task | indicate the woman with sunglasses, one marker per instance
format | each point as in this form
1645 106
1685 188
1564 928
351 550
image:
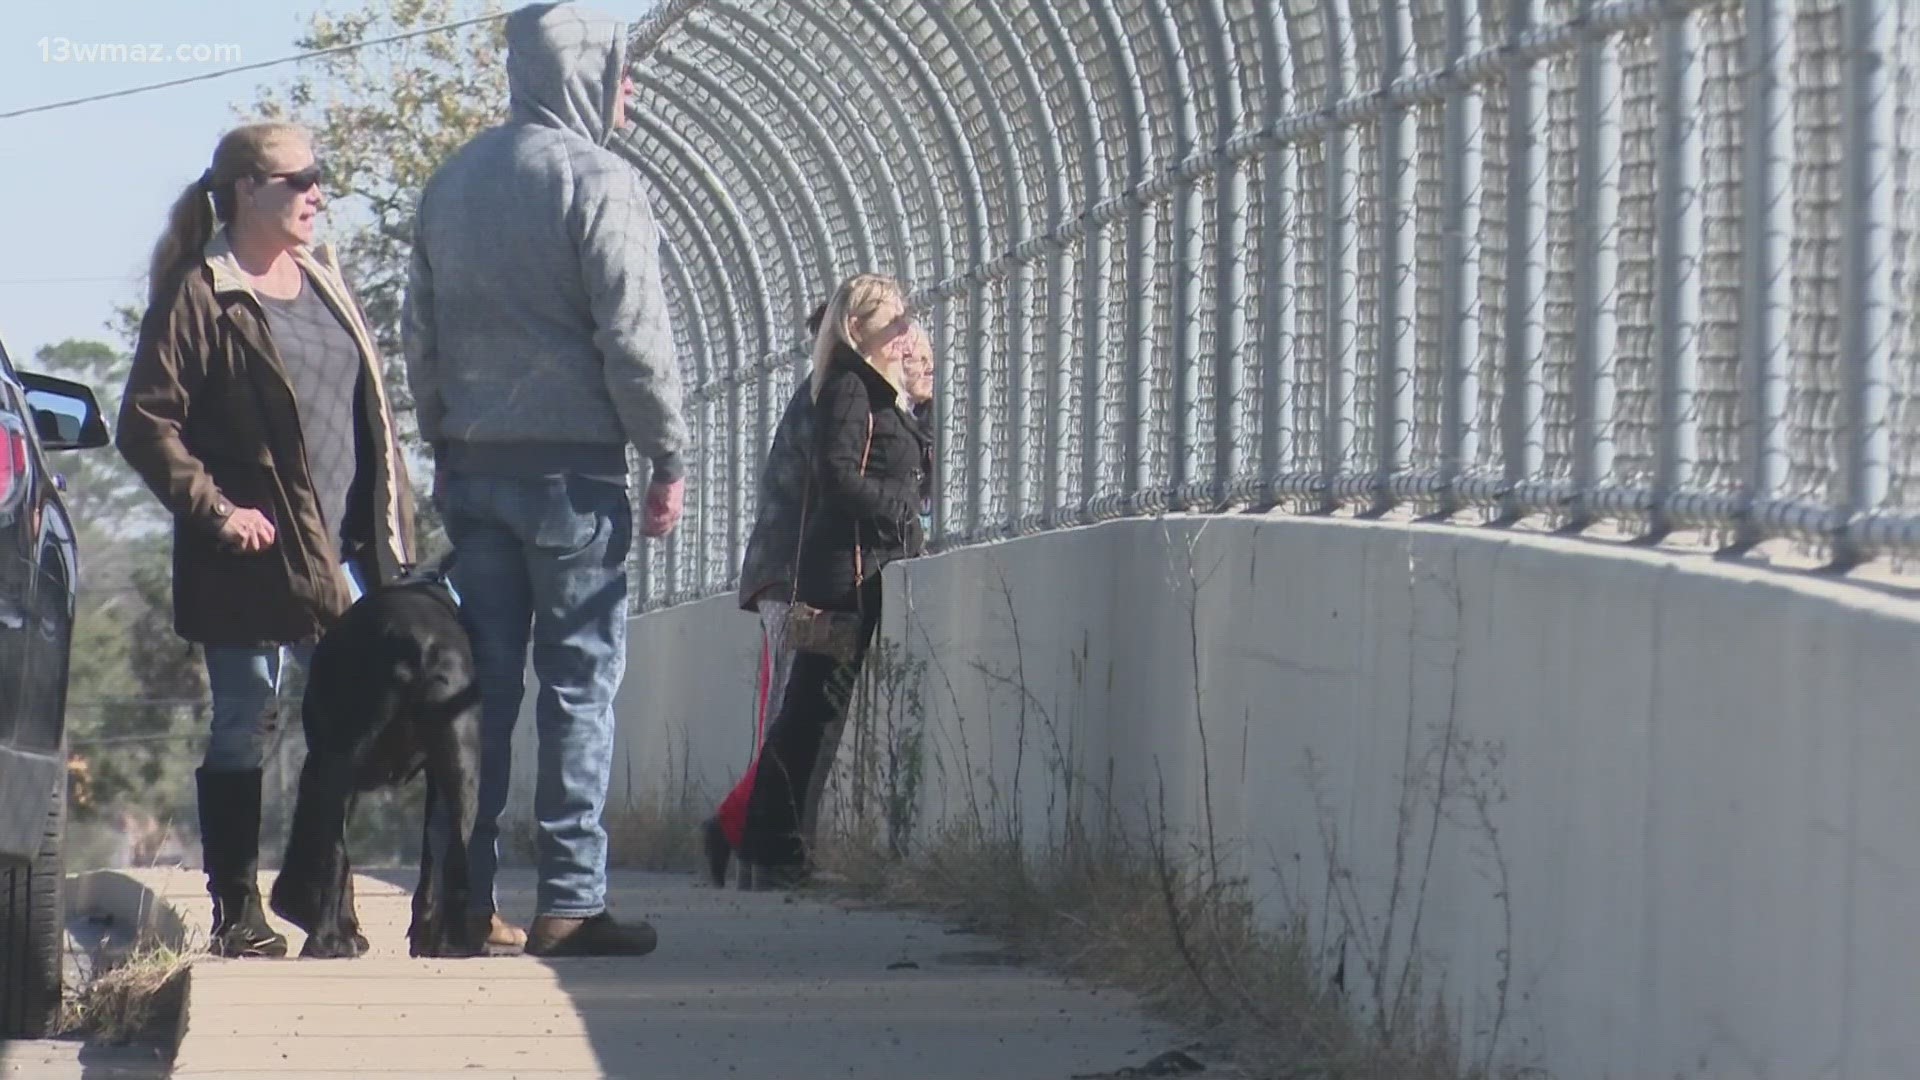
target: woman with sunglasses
256 412
868 472
766 581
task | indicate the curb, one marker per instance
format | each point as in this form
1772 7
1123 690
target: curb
129 902
149 917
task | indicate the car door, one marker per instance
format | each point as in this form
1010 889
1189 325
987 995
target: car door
31 758
19 524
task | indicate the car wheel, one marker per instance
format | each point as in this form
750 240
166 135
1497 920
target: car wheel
31 934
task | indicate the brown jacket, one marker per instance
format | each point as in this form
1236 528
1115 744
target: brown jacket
209 421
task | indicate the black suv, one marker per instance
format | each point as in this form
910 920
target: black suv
38 570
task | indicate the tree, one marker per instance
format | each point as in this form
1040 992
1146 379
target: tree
133 689
383 119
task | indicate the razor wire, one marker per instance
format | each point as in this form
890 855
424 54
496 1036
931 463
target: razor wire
1642 265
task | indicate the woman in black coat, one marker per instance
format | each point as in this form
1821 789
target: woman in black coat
871 464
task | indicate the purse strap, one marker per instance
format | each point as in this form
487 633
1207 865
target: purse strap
800 538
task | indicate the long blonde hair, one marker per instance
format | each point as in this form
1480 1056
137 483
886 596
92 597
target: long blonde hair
245 151
855 300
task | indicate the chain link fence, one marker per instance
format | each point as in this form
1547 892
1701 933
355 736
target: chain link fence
1646 264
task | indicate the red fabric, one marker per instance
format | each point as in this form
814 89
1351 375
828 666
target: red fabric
733 809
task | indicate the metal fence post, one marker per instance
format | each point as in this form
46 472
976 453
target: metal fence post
1051 355
1393 385
942 319
1135 122
674 270
1521 344
975 468
1229 268
1763 264
1276 273
1092 284
1586 279
1454 451
1865 256
1181 275
1674 449
1333 425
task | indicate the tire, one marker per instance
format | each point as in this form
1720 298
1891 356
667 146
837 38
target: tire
32 933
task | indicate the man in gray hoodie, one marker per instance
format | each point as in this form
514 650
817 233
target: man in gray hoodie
538 351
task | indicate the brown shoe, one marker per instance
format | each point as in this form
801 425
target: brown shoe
600 935
495 935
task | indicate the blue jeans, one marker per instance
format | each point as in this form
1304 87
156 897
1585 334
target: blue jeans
244 682
542 561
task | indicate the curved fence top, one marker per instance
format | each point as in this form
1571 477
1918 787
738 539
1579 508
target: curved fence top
1633 263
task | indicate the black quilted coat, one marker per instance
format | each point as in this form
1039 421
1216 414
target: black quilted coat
854 470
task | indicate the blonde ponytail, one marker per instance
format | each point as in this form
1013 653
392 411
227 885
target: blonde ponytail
189 227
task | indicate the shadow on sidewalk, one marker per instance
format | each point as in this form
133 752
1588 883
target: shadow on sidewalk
765 984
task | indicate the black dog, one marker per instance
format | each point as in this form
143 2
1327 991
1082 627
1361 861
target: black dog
390 693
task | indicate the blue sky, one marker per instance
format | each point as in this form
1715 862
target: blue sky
84 191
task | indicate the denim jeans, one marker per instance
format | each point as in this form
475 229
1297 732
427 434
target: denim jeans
542 561
244 683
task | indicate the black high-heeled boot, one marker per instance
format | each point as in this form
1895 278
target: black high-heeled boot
713 840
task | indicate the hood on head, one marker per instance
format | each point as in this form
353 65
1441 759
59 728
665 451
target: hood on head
564 65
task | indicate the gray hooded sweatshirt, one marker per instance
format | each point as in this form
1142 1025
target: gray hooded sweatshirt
535 324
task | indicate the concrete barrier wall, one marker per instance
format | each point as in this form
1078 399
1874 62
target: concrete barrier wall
1675 798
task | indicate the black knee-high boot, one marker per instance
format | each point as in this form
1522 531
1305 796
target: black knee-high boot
230 850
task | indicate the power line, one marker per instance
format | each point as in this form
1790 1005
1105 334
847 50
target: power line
223 72
135 740
19 283
137 703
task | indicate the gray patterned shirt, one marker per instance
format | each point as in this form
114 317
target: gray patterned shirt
323 364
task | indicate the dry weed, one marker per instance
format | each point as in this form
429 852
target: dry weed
654 833
1136 916
121 1002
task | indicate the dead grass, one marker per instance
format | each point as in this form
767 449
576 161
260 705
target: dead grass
1137 917
650 832
147 988
656 832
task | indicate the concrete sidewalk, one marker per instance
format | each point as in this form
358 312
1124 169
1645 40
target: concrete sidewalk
743 985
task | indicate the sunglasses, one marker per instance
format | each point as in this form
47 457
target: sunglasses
301 180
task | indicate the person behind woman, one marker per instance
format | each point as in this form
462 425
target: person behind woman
255 411
766 584
870 465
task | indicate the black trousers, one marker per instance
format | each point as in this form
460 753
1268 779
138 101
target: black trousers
819 692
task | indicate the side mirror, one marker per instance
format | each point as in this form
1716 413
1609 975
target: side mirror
65 413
